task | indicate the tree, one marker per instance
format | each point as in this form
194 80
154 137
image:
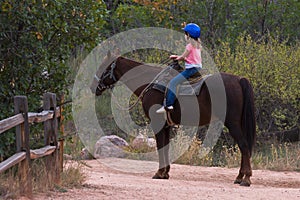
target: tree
37 37
262 17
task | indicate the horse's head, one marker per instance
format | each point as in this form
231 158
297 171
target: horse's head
104 79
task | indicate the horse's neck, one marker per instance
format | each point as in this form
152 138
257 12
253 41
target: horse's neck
136 76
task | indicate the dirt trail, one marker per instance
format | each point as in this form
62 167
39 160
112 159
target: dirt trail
186 182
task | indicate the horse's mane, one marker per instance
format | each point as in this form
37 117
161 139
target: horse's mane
152 65
109 59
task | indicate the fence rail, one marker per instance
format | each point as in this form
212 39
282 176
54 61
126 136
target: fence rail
24 154
11 122
15 120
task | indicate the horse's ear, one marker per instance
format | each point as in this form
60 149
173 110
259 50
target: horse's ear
117 52
108 54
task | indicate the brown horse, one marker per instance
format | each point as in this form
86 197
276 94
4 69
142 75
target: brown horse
239 115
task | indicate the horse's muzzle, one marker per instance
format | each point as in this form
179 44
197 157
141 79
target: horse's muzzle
98 92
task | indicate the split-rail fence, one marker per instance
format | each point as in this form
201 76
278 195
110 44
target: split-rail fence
52 150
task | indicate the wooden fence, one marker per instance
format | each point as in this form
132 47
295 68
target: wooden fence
21 120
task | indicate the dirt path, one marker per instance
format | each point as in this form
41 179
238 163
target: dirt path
186 182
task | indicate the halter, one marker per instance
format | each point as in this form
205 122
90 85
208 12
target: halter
109 73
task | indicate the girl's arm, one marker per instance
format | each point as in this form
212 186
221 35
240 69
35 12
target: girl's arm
182 57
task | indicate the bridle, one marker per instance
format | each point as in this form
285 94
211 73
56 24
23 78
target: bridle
108 73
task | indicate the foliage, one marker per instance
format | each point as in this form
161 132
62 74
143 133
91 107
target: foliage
37 38
259 18
129 16
273 68
221 20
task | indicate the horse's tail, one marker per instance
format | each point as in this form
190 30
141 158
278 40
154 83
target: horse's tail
248 120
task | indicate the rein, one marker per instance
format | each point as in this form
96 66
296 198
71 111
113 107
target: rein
145 90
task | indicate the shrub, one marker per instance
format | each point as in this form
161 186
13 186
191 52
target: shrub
273 68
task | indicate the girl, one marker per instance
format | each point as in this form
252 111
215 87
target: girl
193 63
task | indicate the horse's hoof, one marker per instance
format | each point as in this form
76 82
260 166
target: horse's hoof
166 176
157 176
160 176
245 183
238 181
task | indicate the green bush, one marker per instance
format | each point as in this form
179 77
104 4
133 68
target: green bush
36 40
273 68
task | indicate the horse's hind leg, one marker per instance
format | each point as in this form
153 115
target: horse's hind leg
246 168
245 171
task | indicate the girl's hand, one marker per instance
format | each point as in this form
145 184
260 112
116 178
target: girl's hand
174 57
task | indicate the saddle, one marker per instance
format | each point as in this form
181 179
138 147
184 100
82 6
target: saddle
189 88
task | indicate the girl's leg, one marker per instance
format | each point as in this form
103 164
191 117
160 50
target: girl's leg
171 90
180 78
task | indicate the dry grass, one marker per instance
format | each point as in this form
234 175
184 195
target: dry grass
186 149
40 180
279 157
198 155
72 176
8 184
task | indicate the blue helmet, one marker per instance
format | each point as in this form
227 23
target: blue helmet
193 30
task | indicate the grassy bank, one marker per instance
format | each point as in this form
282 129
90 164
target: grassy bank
272 156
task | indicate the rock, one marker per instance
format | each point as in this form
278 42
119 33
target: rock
110 146
67 157
151 142
142 142
85 154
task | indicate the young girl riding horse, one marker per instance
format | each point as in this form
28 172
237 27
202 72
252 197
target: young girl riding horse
193 63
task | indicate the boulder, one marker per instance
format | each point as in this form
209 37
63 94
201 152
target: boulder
110 146
85 154
142 142
151 143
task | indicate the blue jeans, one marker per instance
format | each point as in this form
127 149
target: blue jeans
179 78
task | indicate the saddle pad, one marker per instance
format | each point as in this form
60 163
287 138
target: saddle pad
183 90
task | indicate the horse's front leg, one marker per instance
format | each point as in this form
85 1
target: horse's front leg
162 141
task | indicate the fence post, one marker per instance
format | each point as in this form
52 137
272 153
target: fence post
50 131
62 130
22 141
